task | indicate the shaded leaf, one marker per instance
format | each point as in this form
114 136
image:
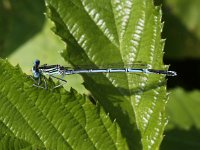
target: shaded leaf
183 130
19 21
182 29
188 13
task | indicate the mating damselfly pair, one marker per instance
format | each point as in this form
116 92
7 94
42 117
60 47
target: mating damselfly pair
58 70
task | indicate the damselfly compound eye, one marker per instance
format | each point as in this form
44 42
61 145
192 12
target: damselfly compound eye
37 62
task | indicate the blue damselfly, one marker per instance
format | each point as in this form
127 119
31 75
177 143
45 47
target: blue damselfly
53 70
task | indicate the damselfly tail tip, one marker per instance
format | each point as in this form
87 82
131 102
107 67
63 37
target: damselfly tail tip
171 73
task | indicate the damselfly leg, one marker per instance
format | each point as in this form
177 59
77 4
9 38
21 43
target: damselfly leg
38 83
59 79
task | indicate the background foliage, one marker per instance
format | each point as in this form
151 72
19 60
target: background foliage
24 32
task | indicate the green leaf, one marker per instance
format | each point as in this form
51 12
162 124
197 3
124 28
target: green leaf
33 118
188 13
184 122
104 32
182 28
19 22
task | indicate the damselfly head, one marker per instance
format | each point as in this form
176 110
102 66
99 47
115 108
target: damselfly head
37 62
35 68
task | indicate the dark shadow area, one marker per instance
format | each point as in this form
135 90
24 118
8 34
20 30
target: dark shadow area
92 100
158 2
19 22
188 74
178 139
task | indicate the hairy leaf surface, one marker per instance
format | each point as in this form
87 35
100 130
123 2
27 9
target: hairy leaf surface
33 118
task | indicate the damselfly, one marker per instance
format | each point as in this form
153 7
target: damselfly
52 70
